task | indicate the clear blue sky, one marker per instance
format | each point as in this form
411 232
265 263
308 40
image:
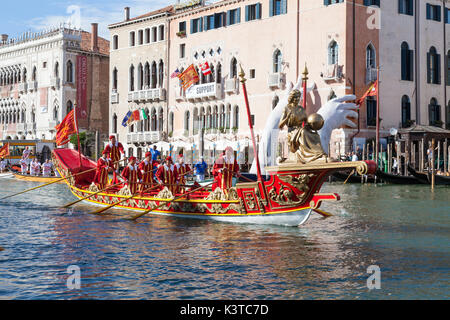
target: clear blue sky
17 17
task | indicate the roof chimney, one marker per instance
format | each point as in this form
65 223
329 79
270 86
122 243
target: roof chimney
94 37
127 13
4 38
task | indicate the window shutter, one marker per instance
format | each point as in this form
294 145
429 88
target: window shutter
366 3
192 26
200 24
428 11
246 12
411 65
410 7
271 8
258 11
238 13
438 69
404 64
428 68
228 17
438 9
205 23
401 9
326 2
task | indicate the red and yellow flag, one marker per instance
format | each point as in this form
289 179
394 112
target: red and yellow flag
65 129
4 151
371 92
189 77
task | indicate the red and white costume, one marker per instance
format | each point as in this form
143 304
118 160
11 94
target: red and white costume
47 169
223 171
101 174
146 169
182 169
167 175
113 152
132 175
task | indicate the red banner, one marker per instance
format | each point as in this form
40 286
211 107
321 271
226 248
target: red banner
65 129
4 151
82 74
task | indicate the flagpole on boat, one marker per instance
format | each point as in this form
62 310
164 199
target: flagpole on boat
78 134
255 149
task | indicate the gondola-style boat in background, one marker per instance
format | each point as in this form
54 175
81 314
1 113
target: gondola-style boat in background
426 177
16 171
397 179
286 198
352 177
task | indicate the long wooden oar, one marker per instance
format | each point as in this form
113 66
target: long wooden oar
49 183
123 200
91 195
323 213
166 203
353 171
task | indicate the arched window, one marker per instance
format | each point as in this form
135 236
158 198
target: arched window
114 123
171 122
131 78
202 118
55 112
277 59
140 77
153 120
216 117
236 117
333 53
56 71
24 75
115 42
154 73
208 117
407 63
187 116
69 72
228 117
160 119
222 117
154 34
371 62
33 115
147 121
433 66
147 75
196 121
147 35
161 73
211 75
69 107
233 68
434 111
219 73
34 74
141 37
406 112
371 106
114 79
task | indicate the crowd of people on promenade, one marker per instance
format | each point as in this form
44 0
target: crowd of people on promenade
156 172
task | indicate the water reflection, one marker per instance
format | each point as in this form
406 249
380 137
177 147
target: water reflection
161 257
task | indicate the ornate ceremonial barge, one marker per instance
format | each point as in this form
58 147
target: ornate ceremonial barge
286 195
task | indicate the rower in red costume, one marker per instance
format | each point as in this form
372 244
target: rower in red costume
113 150
101 174
224 169
132 175
167 175
146 168
182 170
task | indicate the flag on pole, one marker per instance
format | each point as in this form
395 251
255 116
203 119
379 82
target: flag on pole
371 92
143 114
175 74
189 77
4 151
206 70
66 128
136 115
126 118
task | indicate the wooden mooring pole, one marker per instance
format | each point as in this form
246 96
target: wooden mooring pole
432 164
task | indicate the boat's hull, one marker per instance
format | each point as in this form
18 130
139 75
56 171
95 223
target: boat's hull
36 178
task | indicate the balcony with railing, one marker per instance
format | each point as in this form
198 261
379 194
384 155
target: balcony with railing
145 137
114 97
156 94
333 72
21 127
204 91
276 80
231 86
